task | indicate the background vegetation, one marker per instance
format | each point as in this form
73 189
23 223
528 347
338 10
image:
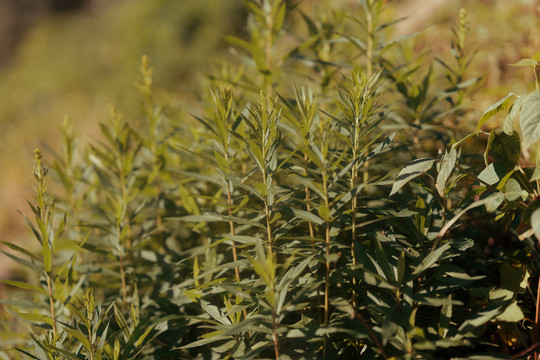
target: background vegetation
267 220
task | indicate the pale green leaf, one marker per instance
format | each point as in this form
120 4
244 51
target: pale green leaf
512 313
492 174
494 201
494 109
431 259
23 285
508 124
525 63
412 170
447 166
529 119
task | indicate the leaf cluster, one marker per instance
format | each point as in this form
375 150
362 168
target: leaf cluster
300 214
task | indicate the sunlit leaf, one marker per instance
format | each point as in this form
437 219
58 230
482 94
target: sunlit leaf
413 169
529 119
495 108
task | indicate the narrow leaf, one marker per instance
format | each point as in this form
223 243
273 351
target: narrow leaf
413 169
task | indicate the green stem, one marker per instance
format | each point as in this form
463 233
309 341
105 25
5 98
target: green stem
51 303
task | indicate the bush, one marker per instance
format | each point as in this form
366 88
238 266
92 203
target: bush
270 226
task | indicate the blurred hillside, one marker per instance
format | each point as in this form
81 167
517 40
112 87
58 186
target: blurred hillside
77 57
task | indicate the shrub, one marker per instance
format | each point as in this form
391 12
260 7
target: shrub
271 224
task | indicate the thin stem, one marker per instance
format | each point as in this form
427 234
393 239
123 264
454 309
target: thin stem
275 335
123 277
308 202
51 303
536 319
373 336
268 228
370 31
536 71
231 227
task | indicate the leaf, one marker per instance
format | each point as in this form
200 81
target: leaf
493 173
525 63
494 201
413 169
447 166
513 190
535 223
479 319
307 216
494 109
512 313
529 119
508 125
324 212
23 285
506 149
430 260
26 263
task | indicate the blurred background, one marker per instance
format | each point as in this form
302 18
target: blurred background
76 58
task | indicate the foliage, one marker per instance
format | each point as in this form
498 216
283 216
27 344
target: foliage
324 204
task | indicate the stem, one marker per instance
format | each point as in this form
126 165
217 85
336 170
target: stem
51 303
353 238
327 277
327 273
268 228
275 335
123 277
231 226
369 51
536 70
536 319
373 336
308 200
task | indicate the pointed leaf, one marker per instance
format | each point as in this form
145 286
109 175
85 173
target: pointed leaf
494 109
447 166
525 63
413 169
508 125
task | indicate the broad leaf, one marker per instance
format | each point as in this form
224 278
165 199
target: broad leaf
494 109
447 166
529 119
535 223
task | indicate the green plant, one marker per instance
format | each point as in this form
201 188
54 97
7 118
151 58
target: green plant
270 224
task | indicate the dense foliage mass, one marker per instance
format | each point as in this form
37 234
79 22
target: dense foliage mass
330 201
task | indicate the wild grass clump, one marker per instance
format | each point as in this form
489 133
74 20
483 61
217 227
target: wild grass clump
321 204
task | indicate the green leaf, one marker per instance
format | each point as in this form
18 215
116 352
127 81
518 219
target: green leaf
80 337
479 319
26 263
494 201
494 109
413 169
513 190
23 285
535 223
529 119
508 125
512 313
307 216
324 212
447 166
431 259
525 63
506 149
493 173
